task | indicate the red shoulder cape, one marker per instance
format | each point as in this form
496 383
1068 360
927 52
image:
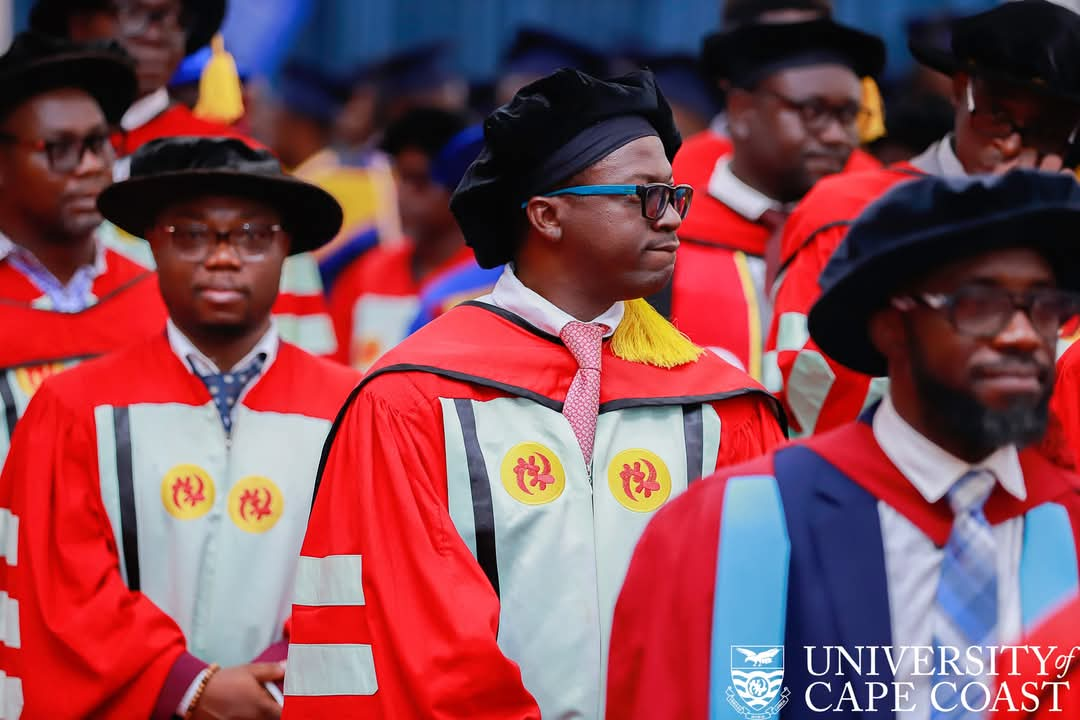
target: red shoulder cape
838 199
481 344
129 308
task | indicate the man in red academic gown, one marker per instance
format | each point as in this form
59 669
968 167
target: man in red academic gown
154 500
64 296
159 34
792 109
485 485
1016 105
927 527
376 299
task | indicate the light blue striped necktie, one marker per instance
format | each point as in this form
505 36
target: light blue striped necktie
966 606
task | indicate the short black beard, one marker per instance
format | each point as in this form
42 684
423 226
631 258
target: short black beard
980 430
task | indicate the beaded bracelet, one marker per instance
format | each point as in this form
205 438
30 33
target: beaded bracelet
210 671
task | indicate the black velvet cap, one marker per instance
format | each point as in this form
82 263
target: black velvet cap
1032 43
521 137
172 170
747 54
922 224
36 63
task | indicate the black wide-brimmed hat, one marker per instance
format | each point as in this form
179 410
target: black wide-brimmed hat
201 18
528 148
36 63
746 54
1031 43
171 170
922 224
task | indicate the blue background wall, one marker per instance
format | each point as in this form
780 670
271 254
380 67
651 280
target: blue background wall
344 33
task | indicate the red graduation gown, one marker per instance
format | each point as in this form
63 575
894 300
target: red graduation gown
36 343
376 299
90 646
1060 631
429 624
800 372
719 271
662 637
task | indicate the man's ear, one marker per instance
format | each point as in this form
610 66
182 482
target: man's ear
741 113
545 217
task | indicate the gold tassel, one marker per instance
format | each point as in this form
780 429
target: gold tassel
220 95
872 118
644 336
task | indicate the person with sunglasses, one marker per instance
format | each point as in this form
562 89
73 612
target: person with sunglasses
162 491
1017 104
64 296
793 107
930 527
487 481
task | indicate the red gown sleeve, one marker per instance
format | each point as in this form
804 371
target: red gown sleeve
818 394
387 589
88 646
1063 432
660 638
748 429
341 300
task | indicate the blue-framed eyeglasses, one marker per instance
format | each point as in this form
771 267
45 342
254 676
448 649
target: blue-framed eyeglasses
655 197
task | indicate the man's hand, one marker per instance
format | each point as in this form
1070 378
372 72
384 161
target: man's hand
1031 160
237 693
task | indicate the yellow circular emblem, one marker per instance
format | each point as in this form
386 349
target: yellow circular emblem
255 504
639 480
532 474
187 492
29 379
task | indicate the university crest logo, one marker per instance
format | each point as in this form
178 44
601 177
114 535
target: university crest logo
757 674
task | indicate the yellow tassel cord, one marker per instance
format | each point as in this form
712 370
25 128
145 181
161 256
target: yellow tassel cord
872 118
220 96
644 336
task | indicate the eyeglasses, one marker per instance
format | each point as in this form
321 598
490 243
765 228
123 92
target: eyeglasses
194 243
1048 138
654 197
982 311
815 113
135 18
66 154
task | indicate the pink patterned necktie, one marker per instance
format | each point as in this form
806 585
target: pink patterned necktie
583 399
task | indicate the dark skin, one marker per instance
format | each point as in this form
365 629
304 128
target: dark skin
982 152
153 33
223 303
774 151
425 212
1015 366
53 214
570 239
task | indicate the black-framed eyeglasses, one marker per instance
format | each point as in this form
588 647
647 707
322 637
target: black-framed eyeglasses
1048 138
195 242
66 154
654 197
983 311
134 18
816 113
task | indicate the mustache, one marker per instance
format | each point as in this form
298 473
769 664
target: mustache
1014 366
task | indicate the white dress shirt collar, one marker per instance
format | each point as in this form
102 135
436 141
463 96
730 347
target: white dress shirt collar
511 294
930 468
145 109
96 267
940 159
737 195
199 364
